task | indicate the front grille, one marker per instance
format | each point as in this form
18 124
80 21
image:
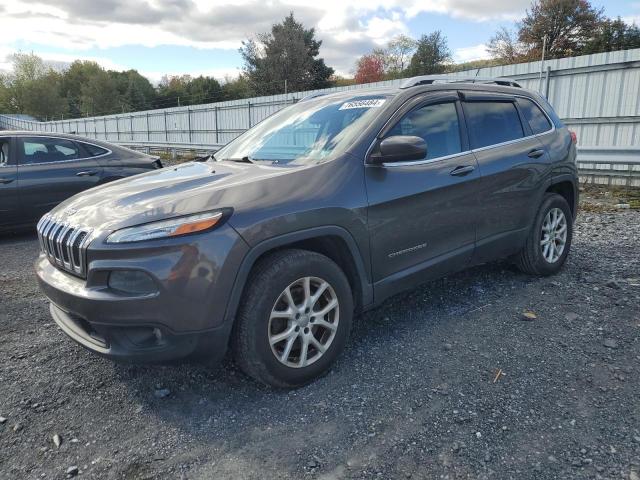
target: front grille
65 245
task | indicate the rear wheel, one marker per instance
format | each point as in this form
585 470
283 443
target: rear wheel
294 319
549 241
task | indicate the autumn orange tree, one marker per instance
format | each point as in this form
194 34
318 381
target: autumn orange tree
370 68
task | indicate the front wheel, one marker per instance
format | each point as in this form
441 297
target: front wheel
294 319
549 240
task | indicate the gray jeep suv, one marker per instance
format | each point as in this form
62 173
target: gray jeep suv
322 210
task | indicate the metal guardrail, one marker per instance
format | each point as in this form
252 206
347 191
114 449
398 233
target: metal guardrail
612 172
173 148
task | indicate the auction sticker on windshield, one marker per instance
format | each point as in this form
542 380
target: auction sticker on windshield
367 103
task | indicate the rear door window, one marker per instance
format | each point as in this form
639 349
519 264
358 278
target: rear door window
491 123
437 124
538 121
48 150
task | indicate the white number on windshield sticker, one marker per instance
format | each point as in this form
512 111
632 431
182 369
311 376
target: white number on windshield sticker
370 103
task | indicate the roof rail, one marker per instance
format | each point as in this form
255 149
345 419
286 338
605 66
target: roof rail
431 79
312 95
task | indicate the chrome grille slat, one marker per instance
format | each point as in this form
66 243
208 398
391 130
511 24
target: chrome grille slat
45 234
64 244
59 241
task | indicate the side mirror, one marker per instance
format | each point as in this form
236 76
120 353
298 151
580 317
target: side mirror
399 148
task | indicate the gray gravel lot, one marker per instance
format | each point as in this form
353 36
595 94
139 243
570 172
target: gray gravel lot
446 381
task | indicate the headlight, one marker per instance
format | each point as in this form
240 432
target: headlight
166 228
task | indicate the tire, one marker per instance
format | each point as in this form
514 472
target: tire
534 259
265 297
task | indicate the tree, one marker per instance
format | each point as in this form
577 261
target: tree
288 53
135 91
397 54
203 90
505 47
237 88
74 78
172 90
613 35
33 87
431 56
567 25
369 68
99 95
5 94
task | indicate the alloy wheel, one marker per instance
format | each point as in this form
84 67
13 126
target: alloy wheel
554 235
303 322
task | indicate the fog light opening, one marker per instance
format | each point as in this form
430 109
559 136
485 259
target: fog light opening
131 282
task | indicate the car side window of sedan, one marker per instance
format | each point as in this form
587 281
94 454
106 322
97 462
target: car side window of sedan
4 152
94 150
47 150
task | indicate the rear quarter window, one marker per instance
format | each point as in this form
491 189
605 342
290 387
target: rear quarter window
94 150
538 121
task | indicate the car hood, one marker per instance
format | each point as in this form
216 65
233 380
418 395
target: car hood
169 192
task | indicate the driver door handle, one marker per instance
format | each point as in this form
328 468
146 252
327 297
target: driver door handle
86 174
462 170
6 180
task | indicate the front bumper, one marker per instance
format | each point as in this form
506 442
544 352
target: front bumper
131 344
186 314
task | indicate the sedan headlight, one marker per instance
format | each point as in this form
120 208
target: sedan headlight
166 228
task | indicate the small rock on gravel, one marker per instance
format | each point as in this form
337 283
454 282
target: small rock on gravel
2 420
610 343
72 471
162 392
528 316
57 441
613 284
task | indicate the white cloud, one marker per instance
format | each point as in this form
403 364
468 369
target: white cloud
219 74
348 28
469 54
632 19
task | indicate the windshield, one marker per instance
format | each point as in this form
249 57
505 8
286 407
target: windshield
308 132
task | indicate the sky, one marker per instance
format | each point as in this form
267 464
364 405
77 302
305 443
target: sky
202 37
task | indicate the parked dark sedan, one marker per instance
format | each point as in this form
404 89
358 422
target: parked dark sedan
38 170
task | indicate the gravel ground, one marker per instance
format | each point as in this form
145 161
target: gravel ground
446 381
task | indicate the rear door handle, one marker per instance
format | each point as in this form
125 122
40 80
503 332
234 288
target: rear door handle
462 170
86 174
6 180
535 153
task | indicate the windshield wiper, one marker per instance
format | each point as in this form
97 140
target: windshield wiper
204 158
245 159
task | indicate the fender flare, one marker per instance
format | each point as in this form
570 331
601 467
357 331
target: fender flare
266 245
573 179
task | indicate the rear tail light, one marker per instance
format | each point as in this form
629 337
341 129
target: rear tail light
574 137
